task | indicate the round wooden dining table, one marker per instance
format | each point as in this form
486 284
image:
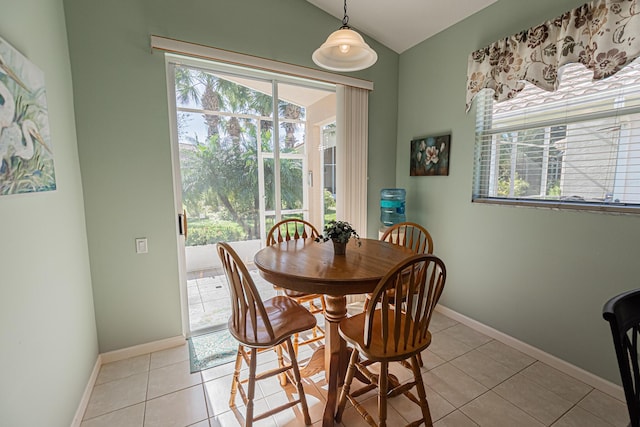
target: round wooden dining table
312 267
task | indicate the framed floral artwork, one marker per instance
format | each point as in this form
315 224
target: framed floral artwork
430 155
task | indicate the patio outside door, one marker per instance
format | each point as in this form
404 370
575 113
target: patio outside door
233 181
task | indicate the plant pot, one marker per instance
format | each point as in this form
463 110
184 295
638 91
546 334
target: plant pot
339 248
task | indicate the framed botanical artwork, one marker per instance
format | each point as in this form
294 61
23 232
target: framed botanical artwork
26 154
430 155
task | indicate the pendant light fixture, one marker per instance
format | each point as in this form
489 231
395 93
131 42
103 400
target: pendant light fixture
345 50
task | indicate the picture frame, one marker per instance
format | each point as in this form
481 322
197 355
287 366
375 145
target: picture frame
26 152
430 155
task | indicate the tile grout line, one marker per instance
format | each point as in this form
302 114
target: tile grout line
489 389
146 396
592 413
510 377
206 401
555 362
492 389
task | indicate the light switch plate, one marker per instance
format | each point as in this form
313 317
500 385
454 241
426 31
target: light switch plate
141 245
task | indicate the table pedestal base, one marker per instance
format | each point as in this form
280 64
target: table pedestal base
305 266
336 354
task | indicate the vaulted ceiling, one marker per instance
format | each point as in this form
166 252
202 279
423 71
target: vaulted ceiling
401 24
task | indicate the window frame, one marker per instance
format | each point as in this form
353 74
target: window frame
486 170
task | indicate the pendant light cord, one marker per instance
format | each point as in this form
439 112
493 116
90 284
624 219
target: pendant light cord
345 19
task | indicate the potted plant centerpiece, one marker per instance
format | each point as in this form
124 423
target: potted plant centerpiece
339 232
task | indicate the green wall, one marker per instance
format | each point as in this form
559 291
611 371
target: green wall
123 136
47 323
539 275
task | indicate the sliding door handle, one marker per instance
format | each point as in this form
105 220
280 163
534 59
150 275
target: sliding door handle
184 227
182 223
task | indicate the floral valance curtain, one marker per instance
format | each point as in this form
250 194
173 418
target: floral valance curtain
604 35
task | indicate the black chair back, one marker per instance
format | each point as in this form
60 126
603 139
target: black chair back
623 314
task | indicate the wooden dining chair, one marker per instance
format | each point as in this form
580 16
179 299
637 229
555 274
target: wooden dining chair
293 229
623 314
412 236
389 331
259 325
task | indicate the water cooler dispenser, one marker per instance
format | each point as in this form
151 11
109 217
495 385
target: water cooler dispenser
392 204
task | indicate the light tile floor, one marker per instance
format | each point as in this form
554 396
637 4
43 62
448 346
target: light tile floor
471 380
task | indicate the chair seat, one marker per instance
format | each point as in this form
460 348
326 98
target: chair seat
296 294
286 316
351 330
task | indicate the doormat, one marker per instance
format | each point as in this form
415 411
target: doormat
209 350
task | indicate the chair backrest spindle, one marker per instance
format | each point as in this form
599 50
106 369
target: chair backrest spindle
424 276
246 304
291 229
410 235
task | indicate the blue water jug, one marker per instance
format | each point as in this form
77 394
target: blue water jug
392 203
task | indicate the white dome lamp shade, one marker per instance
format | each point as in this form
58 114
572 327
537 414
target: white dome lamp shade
345 50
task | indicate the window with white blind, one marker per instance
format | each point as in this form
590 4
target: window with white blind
577 147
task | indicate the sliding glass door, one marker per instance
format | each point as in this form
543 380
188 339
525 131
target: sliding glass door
246 146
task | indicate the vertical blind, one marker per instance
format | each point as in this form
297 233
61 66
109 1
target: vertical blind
578 146
353 136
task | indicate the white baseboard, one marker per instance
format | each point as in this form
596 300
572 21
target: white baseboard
586 377
84 401
139 350
114 356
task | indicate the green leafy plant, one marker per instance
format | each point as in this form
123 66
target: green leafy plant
207 232
554 190
520 186
339 231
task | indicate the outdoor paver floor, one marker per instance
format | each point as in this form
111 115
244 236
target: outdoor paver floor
208 295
